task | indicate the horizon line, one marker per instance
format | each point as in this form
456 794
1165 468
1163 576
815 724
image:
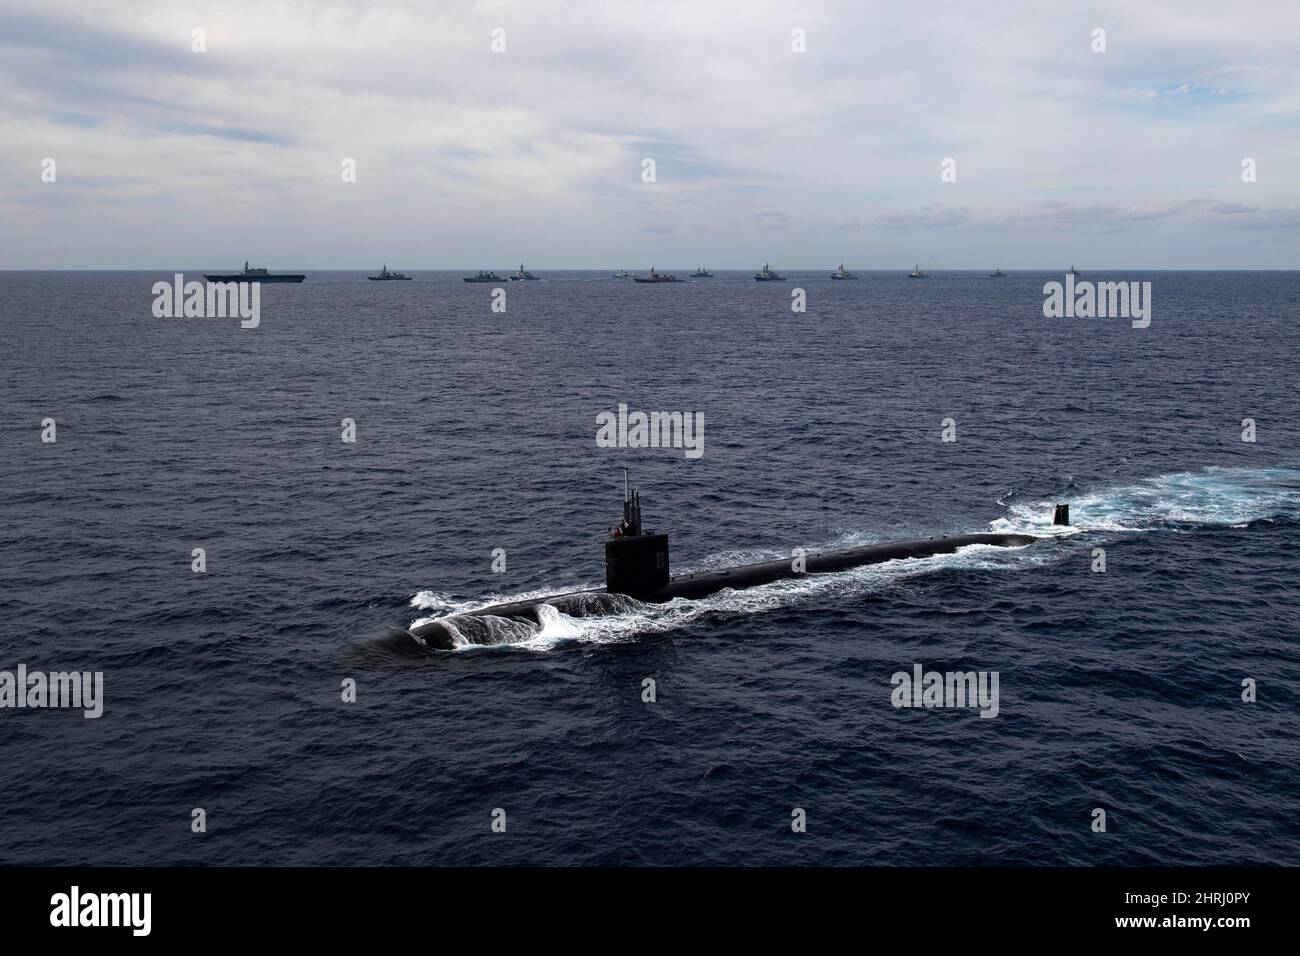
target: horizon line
746 269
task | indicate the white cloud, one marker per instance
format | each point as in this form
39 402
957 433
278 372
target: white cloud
467 158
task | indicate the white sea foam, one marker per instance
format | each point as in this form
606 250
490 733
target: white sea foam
639 619
1214 497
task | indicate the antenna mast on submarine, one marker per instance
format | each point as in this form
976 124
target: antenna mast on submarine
631 509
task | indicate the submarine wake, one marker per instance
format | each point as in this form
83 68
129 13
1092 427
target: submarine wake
1181 501
631 619
1026 537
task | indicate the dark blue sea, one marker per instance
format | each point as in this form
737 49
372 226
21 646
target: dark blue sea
476 430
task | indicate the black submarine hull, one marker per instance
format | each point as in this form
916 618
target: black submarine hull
439 636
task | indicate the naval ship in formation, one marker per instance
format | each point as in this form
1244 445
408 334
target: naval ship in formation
656 277
386 276
254 275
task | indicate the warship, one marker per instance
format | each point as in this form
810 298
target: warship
655 278
254 275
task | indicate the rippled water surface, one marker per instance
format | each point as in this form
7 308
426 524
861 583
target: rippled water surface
1119 690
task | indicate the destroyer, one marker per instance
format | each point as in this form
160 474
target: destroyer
767 275
484 277
842 273
636 566
522 274
386 276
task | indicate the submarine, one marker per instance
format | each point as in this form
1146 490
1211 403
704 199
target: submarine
636 567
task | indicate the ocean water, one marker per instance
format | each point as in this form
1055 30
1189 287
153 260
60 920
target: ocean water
476 431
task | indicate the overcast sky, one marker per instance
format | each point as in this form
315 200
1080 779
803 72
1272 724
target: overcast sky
466 158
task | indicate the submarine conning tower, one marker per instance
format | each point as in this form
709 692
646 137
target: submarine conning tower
636 561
